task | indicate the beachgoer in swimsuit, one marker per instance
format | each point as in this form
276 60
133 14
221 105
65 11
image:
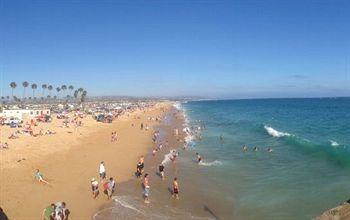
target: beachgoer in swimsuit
244 148
255 149
94 188
199 158
39 176
161 170
175 188
146 188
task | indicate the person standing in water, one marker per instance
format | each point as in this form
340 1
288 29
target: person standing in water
161 170
146 188
175 189
245 148
199 158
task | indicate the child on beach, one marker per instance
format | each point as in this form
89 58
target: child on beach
94 188
39 176
175 189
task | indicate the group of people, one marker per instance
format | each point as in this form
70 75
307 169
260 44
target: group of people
56 211
109 186
145 183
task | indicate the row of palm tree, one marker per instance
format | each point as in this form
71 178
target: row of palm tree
79 93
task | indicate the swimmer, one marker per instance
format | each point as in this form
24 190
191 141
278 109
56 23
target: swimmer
245 148
255 149
269 150
161 170
199 158
175 189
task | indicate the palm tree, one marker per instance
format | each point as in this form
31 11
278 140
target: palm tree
50 87
71 88
7 97
83 97
43 86
13 85
34 87
25 84
58 89
64 88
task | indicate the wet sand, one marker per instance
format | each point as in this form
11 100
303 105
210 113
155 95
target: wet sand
193 202
69 160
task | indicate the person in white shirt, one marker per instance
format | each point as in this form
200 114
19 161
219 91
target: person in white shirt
102 170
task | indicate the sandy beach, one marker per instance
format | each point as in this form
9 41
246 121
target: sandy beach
68 160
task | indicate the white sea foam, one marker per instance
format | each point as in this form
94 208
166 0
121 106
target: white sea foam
121 201
167 157
177 105
274 133
213 163
334 143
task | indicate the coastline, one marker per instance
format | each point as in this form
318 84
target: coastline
70 168
193 203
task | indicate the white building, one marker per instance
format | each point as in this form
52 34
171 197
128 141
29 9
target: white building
24 113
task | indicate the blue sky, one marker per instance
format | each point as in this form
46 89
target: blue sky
221 49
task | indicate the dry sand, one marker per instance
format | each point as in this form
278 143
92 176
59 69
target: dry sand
69 159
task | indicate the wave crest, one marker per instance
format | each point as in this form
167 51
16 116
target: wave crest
213 163
274 133
334 143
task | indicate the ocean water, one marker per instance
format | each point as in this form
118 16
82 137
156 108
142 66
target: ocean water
307 172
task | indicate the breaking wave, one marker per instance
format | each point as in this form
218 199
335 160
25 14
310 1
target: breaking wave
274 133
333 143
213 163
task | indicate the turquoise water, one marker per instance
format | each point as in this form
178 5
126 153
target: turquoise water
307 172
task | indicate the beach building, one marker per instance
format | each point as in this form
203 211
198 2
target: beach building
24 113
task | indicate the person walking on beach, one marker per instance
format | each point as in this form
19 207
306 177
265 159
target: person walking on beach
141 126
94 188
146 188
102 171
111 187
161 170
175 189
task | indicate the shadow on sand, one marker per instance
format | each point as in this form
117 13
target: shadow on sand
207 209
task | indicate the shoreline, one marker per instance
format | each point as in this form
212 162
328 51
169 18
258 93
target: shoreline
127 202
69 170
